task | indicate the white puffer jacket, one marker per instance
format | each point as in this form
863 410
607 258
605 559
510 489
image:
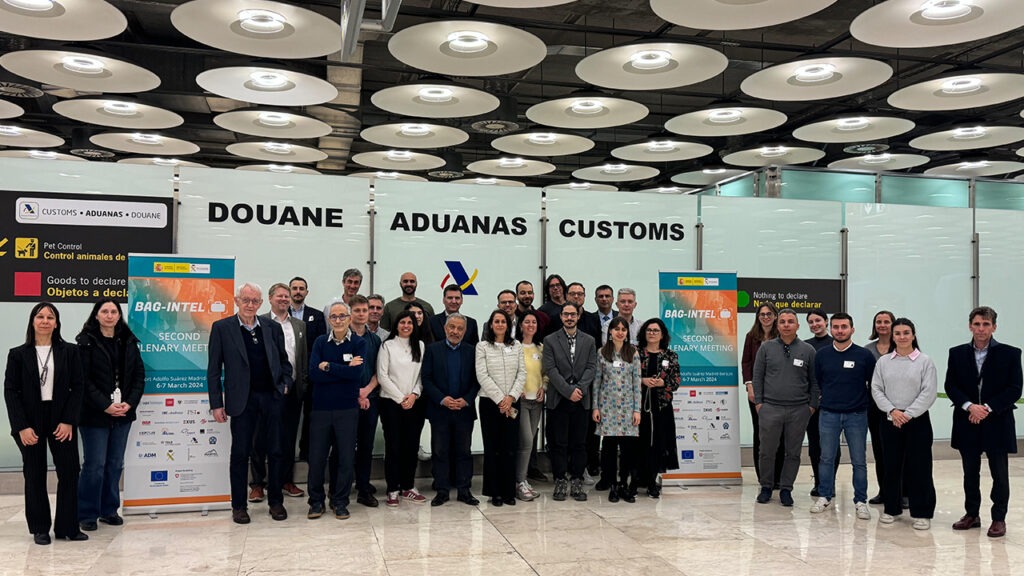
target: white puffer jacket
501 370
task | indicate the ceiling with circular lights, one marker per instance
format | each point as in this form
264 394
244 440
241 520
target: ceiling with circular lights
641 95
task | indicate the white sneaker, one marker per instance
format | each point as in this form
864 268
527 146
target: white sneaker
922 524
863 512
423 454
530 489
523 492
820 505
588 479
886 518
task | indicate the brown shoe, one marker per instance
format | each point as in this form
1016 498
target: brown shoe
292 490
256 494
240 516
997 529
277 512
967 522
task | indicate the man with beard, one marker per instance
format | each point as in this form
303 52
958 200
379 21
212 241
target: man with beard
391 310
524 297
375 309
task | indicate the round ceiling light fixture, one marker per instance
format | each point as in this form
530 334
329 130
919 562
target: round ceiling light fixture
773 151
268 80
511 163
662 146
587 107
147 139
82 65
415 130
961 85
274 119
118 108
852 124
10 131
650 59
42 154
882 158
277 148
969 133
543 138
945 9
261 21
468 42
399 155
166 161
435 94
31 5
814 73
614 169
725 116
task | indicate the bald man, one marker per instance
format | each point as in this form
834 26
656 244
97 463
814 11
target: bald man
391 310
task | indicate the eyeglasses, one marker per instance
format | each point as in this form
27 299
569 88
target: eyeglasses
765 314
653 330
339 317
506 302
250 301
569 315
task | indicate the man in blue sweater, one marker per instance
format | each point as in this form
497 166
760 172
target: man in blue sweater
843 372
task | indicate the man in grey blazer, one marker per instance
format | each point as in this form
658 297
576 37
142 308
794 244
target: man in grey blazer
570 362
256 377
298 356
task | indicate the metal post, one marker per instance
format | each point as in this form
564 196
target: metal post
975 270
175 208
371 211
878 188
844 267
543 237
700 245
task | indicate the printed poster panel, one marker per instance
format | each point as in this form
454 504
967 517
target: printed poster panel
699 309
177 455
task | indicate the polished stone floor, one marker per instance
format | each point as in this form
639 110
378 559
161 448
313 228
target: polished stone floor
694 531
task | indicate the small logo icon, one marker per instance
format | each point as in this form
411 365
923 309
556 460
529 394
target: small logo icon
26 248
28 283
29 210
158 476
457 273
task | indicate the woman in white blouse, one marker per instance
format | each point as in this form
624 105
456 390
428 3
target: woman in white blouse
401 412
501 371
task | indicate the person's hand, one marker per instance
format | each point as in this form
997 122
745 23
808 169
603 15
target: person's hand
356 361
28 437
63 433
461 403
899 418
757 407
324 366
977 413
364 403
596 415
750 394
636 418
220 415
658 382
649 382
812 410
505 404
577 395
409 401
540 395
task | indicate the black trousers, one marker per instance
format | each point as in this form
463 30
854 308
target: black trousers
567 442
780 456
875 419
501 448
333 430
263 410
625 448
1000 495
290 430
814 446
908 461
37 500
451 438
593 448
402 430
366 433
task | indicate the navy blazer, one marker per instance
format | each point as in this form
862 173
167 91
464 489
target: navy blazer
436 323
316 325
434 376
590 324
1001 382
24 398
227 353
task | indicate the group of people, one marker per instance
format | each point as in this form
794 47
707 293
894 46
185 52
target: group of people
827 386
600 376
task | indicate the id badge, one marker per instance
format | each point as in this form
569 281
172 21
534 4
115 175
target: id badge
847 363
346 357
116 396
617 364
798 362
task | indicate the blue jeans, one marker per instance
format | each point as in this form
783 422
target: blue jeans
103 450
855 425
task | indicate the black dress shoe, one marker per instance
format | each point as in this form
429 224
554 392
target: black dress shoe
466 497
277 512
76 537
613 493
113 520
509 501
240 516
42 538
367 499
878 499
439 499
496 502
88 525
654 491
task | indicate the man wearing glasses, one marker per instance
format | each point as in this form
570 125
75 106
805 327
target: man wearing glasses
785 395
256 377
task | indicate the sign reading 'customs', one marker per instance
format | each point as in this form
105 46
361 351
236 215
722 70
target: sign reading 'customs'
74 247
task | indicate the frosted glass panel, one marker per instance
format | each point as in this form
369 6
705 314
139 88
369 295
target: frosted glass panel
916 262
1003 195
924 191
26 174
743 187
837 186
770 238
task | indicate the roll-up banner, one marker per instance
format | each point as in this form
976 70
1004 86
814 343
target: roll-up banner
699 309
177 455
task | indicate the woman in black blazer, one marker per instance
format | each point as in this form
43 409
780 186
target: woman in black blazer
43 391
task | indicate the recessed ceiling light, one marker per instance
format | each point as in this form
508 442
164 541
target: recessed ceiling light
877 158
268 80
969 133
973 165
945 9
511 162
166 161
587 106
814 73
31 5
661 146
386 175
615 169
486 181
650 59
275 119
436 95
725 116
120 108
280 168
147 139
399 155
415 130
579 185
713 171
961 85
277 147
261 21
82 65
773 151
468 41
851 124
542 139
668 189
9 131
42 154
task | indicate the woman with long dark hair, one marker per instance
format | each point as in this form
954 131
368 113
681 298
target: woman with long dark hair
531 405
401 413
501 371
904 387
422 326
43 392
764 329
880 345
114 382
659 378
617 409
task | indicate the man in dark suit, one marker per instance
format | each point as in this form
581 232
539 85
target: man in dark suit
570 362
590 324
295 346
257 376
452 303
450 386
316 325
983 380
